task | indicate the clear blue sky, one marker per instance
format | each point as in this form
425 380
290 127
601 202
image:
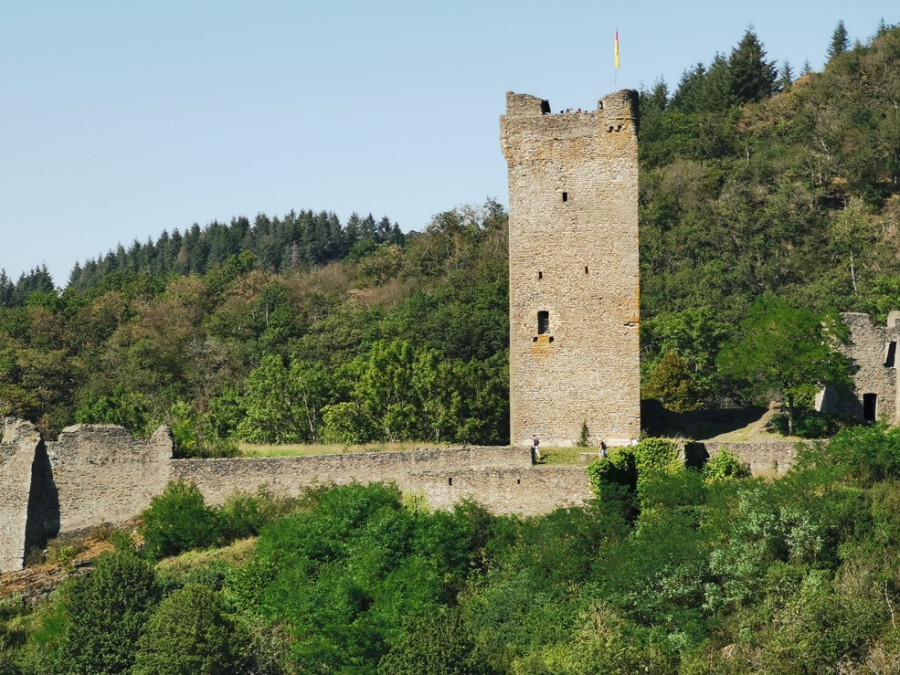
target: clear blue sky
123 119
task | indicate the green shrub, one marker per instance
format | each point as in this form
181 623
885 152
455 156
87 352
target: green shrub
106 610
179 520
810 423
244 515
64 549
585 438
725 465
653 454
190 632
435 642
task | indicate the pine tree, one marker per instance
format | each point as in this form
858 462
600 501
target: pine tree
786 77
752 77
715 93
840 41
688 93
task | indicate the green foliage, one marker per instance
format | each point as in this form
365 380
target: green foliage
752 78
788 352
809 423
126 408
673 384
347 574
656 454
282 403
840 41
863 455
190 632
104 614
244 515
725 465
12 633
584 438
436 642
178 520
664 569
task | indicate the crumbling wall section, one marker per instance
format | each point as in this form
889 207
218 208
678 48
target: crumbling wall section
874 350
95 474
530 491
103 475
18 447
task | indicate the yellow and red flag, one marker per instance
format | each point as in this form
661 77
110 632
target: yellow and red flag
617 47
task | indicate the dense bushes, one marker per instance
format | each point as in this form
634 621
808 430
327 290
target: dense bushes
179 519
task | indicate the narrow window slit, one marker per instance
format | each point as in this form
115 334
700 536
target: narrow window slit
565 196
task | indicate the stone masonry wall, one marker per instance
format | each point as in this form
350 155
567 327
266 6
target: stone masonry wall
501 479
101 474
573 253
766 458
219 478
17 453
869 349
96 474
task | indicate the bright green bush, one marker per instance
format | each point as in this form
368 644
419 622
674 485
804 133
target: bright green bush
244 515
725 465
179 520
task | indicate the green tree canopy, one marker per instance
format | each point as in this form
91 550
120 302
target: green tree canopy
781 350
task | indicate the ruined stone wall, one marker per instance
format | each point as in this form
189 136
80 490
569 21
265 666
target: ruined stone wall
96 474
219 478
573 253
501 479
766 458
101 474
17 452
870 349
530 491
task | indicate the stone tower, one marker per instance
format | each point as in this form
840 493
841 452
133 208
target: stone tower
573 270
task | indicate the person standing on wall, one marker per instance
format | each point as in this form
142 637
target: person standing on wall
535 449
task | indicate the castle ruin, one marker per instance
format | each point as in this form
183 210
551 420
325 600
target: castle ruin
874 350
574 355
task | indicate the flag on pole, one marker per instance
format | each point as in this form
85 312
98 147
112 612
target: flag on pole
617 47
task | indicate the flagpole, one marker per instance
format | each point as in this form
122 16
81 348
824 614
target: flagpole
616 52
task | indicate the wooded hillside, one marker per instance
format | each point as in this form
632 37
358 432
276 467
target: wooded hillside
302 328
